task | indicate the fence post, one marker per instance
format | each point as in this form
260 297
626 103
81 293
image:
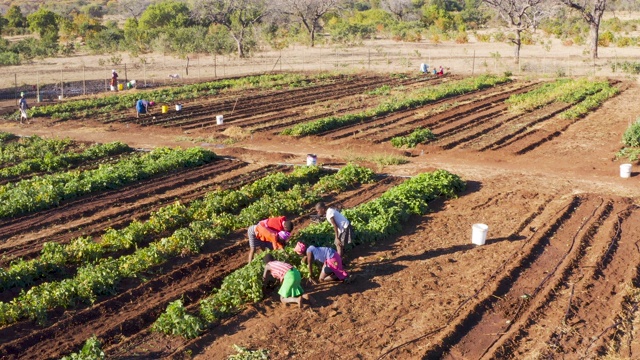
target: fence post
38 86
84 84
198 65
106 86
369 59
144 72
336 57
280 60
215 65
126 79
473 63
15 86
61 83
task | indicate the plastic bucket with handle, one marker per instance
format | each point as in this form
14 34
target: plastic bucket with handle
479 234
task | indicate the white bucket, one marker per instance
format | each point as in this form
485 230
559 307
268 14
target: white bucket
219 119
60 97
113 88
479 234
178 107
312 160
625 170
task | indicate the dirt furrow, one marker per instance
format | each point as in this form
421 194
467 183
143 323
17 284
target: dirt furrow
492 299
29 244
108 200
269 105
138 305
551 315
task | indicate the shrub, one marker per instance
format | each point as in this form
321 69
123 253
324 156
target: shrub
483 37
605 39
631 136
8 58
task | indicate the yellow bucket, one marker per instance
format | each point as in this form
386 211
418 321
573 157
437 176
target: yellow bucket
120 86
165 109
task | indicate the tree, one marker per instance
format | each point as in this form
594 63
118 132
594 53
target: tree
399 8
14 17
591 11
238 16
134 7
521 15
44 22
309 12
166 14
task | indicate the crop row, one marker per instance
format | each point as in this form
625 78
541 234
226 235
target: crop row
561 90
30 147
373 221
418 98
41 192
82 251
126 101
591 102
51 163
418 136
102 277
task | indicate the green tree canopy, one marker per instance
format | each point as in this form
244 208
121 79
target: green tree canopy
14 17
44 22
166 14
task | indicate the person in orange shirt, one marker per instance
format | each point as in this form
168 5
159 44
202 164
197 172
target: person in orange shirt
265 237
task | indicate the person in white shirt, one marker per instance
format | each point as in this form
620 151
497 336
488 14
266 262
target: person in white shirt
341 226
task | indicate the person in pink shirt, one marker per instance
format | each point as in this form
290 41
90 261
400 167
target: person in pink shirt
290 291
330 259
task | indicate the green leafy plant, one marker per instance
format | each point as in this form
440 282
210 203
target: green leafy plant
418 136
246 354
631 136
91 350
176 321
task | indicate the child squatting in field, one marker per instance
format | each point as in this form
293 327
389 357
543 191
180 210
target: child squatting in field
330 259
290 291
271 233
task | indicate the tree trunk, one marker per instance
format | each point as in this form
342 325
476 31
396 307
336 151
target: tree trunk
593 34
240 47
517 42
313 35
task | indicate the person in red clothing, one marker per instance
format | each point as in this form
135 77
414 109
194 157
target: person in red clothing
267 234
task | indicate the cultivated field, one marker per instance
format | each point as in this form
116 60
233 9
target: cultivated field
100 242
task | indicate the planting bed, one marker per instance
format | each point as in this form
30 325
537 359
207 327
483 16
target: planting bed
557 279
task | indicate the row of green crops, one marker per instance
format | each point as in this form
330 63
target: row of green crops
110 103
562 90
91 350
42 192
631 141
418 136
5 136
592 101
372 221
31 147
101 278
415 99
82 251
51 163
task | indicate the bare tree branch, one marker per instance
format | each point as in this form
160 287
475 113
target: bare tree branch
308 12
591 11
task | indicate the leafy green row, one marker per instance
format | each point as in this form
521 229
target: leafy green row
5 136
419 98
418 136
42 192
125 101
561 90
31 147
55 257
93 280
373 221
590 102
51 162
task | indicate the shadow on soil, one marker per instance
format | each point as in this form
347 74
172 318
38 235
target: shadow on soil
361 281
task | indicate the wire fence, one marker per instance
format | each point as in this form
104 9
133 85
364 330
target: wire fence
55 83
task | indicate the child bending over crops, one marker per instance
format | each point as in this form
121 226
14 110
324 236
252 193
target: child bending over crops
279 223
329 258
341 226
263 237
290 290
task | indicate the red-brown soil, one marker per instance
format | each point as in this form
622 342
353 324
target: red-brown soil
557 279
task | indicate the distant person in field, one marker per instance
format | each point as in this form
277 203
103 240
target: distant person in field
341 226
330 259
441 71
424 68
263 236
142 107
290 291
114 80
22 104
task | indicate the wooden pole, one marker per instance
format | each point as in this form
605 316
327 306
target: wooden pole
15 86
38 86
215 64
126 79
61 83
144 72
473 63
84 83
